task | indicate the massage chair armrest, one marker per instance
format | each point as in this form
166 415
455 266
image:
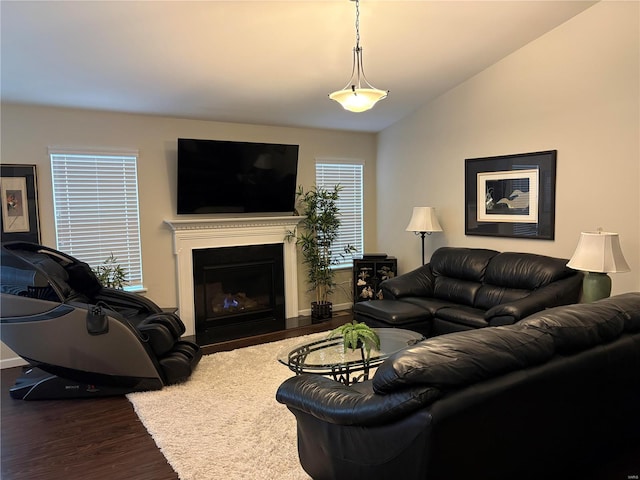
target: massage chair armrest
561 292
336 403
417 283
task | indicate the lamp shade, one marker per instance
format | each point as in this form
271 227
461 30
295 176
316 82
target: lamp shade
598 252
424 219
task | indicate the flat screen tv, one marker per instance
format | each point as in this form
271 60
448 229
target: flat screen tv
218 176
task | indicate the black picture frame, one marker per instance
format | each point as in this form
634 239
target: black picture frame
511 195
19 190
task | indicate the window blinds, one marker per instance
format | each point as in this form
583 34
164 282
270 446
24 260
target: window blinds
348 175
96 209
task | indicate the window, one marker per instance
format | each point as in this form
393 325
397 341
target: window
95 198
348 174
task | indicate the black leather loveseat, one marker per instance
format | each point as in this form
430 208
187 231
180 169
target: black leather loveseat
543 398
467 288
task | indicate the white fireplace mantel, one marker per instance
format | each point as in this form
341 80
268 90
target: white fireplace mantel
197 234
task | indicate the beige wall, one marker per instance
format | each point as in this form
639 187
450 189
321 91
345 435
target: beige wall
27 132
576 90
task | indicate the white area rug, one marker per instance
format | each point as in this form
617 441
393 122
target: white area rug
224 422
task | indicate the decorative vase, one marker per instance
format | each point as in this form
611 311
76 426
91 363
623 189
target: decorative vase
321 311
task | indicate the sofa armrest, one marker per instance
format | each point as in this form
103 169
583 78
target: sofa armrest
336 403
417 283
561 292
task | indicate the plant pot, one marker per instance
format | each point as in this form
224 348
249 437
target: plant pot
321 311
359 346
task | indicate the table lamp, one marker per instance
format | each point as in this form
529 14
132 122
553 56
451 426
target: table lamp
423 222
598 253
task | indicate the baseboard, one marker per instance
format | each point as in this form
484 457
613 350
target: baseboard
12 362
336 308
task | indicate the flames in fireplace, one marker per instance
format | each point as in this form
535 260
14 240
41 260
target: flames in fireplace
230 303
226 303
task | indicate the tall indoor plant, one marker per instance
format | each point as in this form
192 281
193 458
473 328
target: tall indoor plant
315 237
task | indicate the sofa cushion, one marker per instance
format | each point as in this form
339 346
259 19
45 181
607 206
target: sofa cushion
463 315
525 271
461 263
579 326
455 290
455 360
432 305
491 295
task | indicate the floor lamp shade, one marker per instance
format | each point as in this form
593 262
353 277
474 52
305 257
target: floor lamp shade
598 253
423 221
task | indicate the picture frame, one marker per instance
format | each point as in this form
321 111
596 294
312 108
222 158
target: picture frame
19 191
511 195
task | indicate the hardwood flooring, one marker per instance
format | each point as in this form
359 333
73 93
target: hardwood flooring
97 439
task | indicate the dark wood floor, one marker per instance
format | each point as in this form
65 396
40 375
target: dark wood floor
97 439
103 439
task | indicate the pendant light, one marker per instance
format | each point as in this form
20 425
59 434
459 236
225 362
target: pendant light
358 95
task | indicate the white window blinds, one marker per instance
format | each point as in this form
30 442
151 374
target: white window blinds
348 174
96 209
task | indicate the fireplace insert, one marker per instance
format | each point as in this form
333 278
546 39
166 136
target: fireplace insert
239 292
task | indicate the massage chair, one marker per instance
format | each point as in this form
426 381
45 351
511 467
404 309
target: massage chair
82 339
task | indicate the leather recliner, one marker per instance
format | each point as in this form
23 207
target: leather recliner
82 339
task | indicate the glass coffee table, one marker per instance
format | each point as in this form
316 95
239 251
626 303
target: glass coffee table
327 356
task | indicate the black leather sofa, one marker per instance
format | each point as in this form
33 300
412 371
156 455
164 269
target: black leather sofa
542 398
468 288
82 339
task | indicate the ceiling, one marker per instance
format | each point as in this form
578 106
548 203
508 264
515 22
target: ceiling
260 62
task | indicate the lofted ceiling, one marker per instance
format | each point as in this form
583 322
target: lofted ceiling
260 62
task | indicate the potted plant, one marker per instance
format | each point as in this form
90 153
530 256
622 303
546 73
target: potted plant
318 230
357 335
110 273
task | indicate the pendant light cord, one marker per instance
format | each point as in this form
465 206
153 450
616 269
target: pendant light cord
357 52
358 24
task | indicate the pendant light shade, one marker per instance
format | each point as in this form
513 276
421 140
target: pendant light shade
358 99
358 95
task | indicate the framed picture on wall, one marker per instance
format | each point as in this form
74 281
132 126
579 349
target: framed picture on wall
19 191
511 195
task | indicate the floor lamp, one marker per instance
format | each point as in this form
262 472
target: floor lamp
598 253
423 222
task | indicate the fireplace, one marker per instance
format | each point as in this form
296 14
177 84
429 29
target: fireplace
239 292
218 233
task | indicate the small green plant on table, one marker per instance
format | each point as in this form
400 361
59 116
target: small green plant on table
357 335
